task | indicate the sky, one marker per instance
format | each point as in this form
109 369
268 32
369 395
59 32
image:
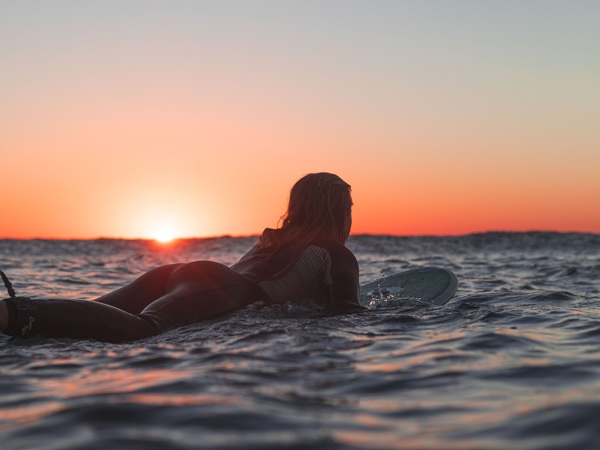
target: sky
124 118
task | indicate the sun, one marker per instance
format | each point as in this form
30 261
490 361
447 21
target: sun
164 235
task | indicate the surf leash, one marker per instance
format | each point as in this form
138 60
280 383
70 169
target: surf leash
8 285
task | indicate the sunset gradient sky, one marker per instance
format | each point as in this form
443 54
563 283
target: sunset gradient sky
121 118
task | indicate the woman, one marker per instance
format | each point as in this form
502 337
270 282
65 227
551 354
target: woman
304 259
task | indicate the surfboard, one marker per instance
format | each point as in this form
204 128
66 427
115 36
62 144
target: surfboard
433 285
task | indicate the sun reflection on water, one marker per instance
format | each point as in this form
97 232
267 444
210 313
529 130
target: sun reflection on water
109 381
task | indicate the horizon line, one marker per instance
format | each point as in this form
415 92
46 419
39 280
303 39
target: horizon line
242 236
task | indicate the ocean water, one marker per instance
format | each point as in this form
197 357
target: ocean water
513 361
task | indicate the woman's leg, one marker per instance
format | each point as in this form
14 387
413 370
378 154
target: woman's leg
111 318
142 291
78 319
193 292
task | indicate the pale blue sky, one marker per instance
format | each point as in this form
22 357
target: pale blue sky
501 97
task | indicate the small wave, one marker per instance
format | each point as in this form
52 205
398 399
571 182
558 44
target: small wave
496 340
80 281
552 296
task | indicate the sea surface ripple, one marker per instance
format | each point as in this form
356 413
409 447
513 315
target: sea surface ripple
513 361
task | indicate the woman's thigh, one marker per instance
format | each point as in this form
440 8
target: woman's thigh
142 291
197 291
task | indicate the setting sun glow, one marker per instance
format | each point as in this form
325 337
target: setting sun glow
164 236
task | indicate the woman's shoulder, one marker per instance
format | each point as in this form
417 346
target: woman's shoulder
335 248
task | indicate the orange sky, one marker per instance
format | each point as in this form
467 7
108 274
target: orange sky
122 118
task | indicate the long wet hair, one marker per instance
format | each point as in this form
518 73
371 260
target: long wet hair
320 206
